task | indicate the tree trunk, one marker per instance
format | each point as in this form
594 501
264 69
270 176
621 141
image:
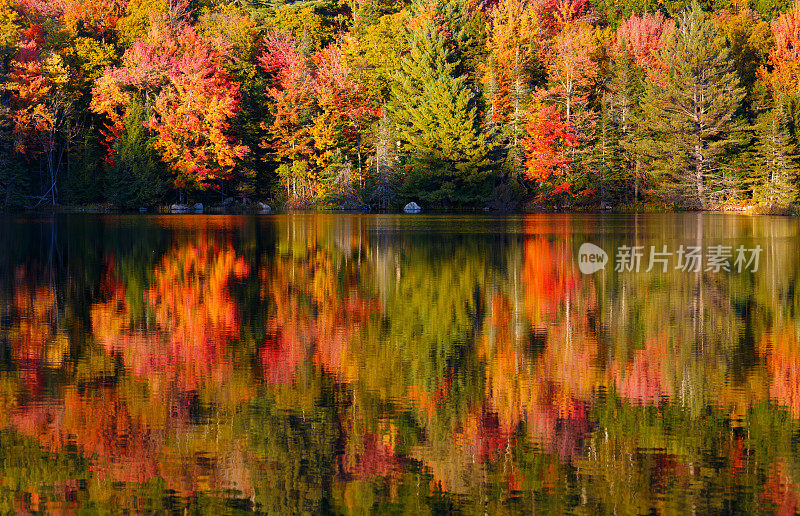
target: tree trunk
569 106
360 175
517 94
698 173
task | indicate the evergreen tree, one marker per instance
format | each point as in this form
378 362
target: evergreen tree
776 169
689 110
622 99
13 180
137 176
612 177
85 164
444 147
467 33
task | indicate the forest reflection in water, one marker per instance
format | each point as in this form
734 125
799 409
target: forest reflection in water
407 363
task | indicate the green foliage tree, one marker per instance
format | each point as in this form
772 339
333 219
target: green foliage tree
445 148
771 8
622 98
13 183
467 32
612 12
84 181
776 168
689 111
137 177
374 51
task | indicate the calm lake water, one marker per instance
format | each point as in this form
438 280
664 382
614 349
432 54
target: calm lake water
398 363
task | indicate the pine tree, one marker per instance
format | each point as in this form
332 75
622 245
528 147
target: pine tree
13 180
689 110
609 158
776 169
467 31
137 176
622 99
444 146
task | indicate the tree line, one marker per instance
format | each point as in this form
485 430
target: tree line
369 104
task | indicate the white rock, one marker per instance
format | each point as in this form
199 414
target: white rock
263 207
178 208
412 207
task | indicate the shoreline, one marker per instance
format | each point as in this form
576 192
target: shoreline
165 210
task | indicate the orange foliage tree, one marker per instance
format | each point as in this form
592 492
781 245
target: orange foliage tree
99 17
784 58
195 100
318 110
191 115
549 144
513 26
30 88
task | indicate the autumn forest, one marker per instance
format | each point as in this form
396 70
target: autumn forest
369 104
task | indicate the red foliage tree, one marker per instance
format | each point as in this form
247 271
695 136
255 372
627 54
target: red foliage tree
191 116
288 139
34 9
549 144
643 36
556 14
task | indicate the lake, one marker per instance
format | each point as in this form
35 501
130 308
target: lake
405 363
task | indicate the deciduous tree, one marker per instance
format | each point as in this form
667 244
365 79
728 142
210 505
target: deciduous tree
784 58
513 27
287 138
571 67
40 104
194 102
191 116
549 143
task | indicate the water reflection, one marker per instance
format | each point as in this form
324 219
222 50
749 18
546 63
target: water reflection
338 363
